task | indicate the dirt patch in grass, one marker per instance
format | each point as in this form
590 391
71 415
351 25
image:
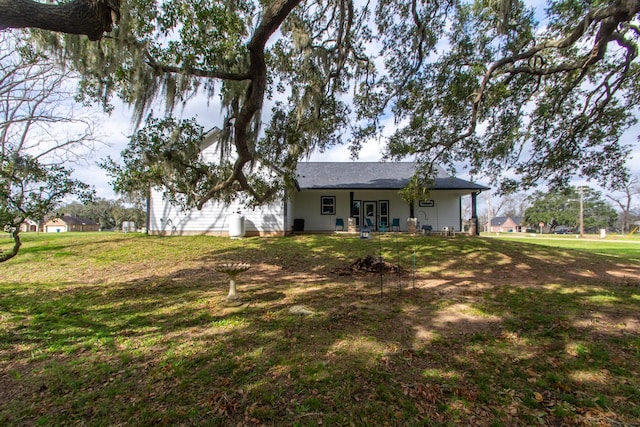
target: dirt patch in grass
368 264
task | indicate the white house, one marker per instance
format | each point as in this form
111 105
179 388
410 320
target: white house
329 196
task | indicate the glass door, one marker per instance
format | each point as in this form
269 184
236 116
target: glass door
369 215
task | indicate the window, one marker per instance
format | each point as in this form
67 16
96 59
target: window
328 205
384 208
384 213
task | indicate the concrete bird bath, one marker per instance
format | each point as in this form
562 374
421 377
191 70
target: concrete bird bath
232 269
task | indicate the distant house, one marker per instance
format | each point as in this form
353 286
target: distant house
329 196
30 225
70 223
506 224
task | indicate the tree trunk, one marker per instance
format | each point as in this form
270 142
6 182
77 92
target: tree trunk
15 235
89 17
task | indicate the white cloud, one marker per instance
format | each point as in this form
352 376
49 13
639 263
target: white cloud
371 152
114 130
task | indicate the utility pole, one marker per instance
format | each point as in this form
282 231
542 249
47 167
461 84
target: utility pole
489 213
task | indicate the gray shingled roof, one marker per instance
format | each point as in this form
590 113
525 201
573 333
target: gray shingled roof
368 175
499 220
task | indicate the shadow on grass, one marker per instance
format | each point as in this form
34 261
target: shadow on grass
474 337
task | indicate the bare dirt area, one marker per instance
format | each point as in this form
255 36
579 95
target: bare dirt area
368 264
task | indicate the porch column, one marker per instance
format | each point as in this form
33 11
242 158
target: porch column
473 225
351 222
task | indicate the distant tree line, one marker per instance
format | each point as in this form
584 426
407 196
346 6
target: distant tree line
616 210
562 208
110 214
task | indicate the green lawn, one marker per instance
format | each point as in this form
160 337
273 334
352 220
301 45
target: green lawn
128 329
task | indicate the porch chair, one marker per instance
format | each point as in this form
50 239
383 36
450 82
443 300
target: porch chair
369 223
339 223
395 223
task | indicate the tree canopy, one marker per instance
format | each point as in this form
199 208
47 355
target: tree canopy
110 214
519 94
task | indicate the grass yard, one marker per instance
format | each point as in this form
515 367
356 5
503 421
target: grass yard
128 329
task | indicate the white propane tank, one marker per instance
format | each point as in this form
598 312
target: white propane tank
128 226
236 225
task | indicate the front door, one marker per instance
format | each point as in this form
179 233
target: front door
369 212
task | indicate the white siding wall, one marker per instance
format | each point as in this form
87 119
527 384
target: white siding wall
306 205
213 218
444 213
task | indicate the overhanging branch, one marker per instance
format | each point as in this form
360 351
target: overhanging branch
92 18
